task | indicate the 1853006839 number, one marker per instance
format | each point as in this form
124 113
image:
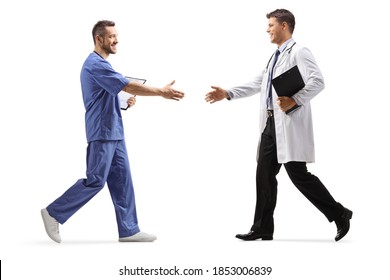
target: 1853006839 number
242 270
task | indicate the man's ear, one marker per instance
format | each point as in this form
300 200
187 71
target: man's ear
99 39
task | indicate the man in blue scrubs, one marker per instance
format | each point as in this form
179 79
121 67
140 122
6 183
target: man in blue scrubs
107 159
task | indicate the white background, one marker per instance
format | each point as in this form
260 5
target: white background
193 163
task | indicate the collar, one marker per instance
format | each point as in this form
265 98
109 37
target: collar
285 44
98 54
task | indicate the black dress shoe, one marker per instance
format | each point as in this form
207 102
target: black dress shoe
343 224
252 235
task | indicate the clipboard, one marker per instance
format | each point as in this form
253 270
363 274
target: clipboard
288 84
124 96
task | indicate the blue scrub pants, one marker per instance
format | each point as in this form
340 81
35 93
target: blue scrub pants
107 161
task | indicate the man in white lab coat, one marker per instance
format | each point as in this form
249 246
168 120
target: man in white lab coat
287 131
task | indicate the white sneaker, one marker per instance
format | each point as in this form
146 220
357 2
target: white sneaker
51 226
138 237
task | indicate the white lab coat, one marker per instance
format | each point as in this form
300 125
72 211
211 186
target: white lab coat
294 131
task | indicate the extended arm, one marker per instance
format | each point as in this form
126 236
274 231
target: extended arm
143 90
245 90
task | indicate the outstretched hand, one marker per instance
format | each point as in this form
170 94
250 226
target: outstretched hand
217 94
170 93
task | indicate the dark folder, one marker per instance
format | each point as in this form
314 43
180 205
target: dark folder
288 84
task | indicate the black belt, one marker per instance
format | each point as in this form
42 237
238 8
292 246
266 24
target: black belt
270 113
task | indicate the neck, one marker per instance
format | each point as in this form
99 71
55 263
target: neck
101 52
284 41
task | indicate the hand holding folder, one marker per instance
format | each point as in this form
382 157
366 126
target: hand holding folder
288 84
124 96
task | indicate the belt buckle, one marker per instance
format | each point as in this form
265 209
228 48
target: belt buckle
270 113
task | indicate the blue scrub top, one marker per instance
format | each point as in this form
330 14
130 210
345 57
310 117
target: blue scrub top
100 86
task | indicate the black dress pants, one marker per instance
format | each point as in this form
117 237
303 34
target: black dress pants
266 184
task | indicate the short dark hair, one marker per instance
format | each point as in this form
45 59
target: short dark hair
100 28
283 15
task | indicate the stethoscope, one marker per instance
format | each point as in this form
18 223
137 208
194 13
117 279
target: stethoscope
286 50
